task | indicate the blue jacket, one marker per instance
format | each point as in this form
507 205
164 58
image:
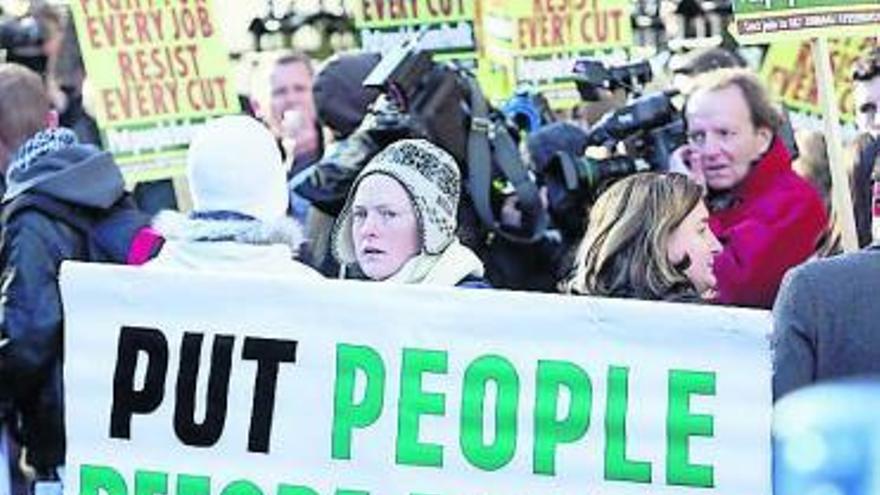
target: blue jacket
34 244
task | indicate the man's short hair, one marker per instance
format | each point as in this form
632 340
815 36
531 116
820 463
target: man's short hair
295 57
763 112
868 66
24 103
702 61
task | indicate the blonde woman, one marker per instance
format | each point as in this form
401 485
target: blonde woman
648 238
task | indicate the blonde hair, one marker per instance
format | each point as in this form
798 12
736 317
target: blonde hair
763 112
624 252
24 104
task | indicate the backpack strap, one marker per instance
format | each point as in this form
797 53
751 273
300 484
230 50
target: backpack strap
483 139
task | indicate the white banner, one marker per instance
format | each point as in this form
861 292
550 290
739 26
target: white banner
330 387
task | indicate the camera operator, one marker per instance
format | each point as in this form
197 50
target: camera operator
767 218
540 265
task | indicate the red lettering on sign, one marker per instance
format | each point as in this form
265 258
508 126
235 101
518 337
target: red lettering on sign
159 63
135 101
207 94
190 23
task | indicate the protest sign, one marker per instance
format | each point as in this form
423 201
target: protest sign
788 71
536 43
157 69
448 25
235 384
765 21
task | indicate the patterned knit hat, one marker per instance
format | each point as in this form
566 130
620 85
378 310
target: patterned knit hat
430 177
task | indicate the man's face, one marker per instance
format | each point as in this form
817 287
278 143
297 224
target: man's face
867 100
722 137
291 90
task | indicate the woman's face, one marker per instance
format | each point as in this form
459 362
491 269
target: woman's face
384 226
694 239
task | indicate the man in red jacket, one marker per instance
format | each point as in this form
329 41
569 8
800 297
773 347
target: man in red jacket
767 218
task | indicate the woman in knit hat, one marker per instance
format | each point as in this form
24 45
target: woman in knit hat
399 220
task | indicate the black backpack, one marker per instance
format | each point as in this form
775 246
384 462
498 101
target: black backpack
108 234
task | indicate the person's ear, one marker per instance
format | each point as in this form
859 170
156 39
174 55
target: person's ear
765 135
51 119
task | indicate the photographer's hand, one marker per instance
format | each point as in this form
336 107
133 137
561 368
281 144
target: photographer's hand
385 123
686 160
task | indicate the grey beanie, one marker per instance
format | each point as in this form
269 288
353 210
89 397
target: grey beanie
430 177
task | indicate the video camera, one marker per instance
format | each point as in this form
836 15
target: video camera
444 104
426 99
591 75
22 41
649 129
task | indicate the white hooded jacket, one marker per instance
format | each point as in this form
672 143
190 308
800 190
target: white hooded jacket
230 245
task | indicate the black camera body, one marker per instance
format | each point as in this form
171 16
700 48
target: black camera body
649 129
425 97
591 75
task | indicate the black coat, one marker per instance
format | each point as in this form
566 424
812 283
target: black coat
33 246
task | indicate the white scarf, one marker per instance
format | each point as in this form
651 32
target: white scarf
448 268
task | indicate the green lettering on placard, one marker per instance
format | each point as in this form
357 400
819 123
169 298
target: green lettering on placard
188 484
346 414
97 479
241 487
681 425
414 402
550 431
617 466
150 483
481 371
295 490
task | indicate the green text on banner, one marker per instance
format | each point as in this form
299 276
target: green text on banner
231 384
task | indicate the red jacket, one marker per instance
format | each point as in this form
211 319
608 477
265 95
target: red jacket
774 223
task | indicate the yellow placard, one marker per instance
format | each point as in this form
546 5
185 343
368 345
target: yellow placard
768 21
541 27
385 13
788 71
157 68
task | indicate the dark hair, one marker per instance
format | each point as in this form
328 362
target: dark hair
711 59
762 110
868 66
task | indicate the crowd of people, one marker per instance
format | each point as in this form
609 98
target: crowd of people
310 188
